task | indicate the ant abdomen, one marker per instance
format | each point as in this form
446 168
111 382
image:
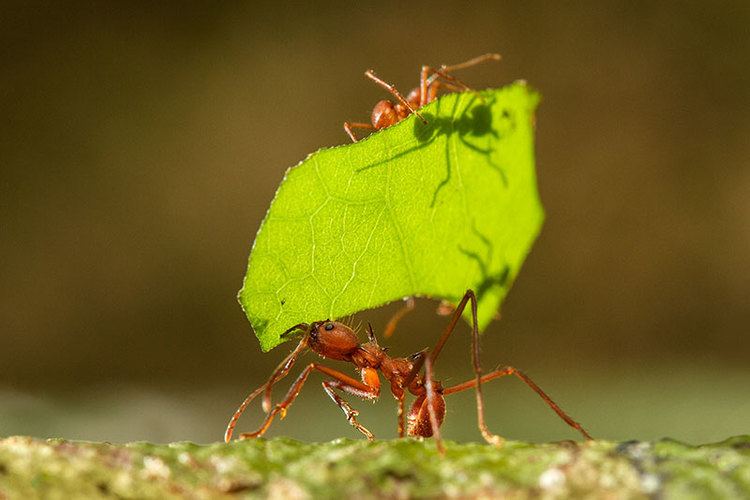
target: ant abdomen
419 417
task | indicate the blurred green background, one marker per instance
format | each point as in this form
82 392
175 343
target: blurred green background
141 145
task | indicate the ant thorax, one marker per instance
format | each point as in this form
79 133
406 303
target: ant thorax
395 368
369 355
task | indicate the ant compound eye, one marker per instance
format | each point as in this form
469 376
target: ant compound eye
328 327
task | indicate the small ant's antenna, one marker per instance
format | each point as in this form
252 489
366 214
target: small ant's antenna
371 333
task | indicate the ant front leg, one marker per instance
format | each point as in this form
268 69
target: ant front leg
341 381
280 372
348 126
351 413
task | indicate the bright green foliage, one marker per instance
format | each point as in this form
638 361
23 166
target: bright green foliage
413 210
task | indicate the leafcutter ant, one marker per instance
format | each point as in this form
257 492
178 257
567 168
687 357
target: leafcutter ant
337 341
386 113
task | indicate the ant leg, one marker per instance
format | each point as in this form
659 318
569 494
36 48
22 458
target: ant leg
348 126
432 401
451 82
355 386
469 296
509 370
401 428
409 306
423 84
351 413
233 422
448 80
429 84
280 372
471 62
390 88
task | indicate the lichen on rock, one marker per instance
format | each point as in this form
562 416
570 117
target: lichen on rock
284 468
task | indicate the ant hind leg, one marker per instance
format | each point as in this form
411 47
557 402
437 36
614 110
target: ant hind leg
509 370
469 296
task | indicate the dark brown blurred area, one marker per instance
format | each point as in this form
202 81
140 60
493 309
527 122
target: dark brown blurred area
141 145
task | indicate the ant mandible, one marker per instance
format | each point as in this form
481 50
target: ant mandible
386 113
337 341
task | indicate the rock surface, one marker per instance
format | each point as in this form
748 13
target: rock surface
282 468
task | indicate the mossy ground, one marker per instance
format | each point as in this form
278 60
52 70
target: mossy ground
282 468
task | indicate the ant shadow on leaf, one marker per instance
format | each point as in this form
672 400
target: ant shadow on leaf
475 123
489 279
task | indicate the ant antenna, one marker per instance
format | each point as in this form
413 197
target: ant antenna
371 333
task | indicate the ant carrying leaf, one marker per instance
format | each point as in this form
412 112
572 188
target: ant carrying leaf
386 113
337 341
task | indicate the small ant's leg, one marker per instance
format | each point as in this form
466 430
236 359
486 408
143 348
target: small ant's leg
449 79
409 306
471 62
432 401
351 413
390 88
348 126
451 82
509 370
423 84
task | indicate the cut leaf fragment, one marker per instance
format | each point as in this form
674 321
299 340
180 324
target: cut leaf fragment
413 210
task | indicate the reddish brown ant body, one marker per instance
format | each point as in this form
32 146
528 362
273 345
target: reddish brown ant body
386 113
337 341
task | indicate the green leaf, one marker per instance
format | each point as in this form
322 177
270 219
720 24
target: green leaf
413 210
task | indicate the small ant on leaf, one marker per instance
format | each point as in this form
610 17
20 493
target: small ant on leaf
337 341
386 113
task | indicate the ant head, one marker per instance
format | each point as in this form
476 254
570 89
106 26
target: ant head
332 339
384 114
